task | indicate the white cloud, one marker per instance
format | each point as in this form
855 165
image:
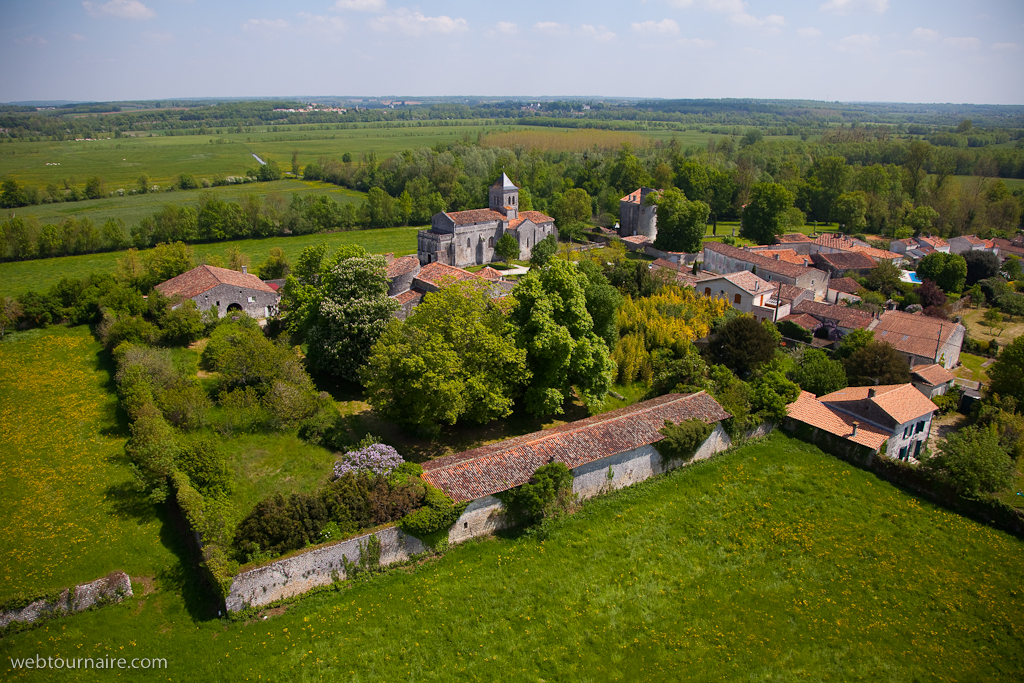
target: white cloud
1006 46
361 5
77 36
697 42
663 26
550 27
506 27
265 25
599 33
414 23
323 23
126 9
32 40
857 43
809 32
736 10
848 6
924 34
963 43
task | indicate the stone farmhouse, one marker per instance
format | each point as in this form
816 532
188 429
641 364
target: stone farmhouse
843 288
923 340
604 452
227 290
839 263
722 258
468 238
897 416
837 321
836 243
931 380
410 282
964 243
745 291
636 219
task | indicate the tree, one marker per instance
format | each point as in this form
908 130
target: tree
184 324
142 186
929 294
770 393
981 265
878 362
10 313
885 277
556 330
573 207
681 223
507 247
543 251
831 174
454 359
1012 304
849 210
237 259
819 374
1007 371
276 266
165 261
921 219
917 157
1013 268
603 302
974 461
627 173
977 295
948 271
94 188
742 344
762 217
342 308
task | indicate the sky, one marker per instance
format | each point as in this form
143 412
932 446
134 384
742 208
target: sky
962 51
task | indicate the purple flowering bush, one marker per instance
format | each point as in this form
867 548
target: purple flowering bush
377 459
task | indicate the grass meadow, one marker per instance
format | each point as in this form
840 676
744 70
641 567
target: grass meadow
70 511
39 274
772 562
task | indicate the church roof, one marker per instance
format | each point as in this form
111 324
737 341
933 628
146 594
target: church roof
505 183
475 216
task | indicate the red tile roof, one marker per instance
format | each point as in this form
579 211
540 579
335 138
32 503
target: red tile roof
507 464
791 238
475 216
935 242
837 241
809 410
435 273
802 319
850 318
402 266
972 239
787 255
747 281
408 296
537 217
489 273
844 284
901 402
934 375
632 197
846 260
637 239
878 254
913 333
665 263
752 257
204 278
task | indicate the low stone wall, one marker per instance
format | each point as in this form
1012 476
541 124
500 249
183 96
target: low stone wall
300 573
113 588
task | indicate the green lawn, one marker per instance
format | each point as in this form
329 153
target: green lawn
70 511
970 368
20 276
774 562
133 208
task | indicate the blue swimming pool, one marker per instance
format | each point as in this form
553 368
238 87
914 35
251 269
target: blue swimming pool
913 277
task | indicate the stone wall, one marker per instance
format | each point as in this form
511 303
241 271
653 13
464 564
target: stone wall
300 573
223 295
113 588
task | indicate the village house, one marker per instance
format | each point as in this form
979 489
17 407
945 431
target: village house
410 282
604 452
840 263
226 290
962 244
932 380
468 238
636 219
797 241
837 321
745 291
722 258
786 254
921 339
896 416
843 288
836 243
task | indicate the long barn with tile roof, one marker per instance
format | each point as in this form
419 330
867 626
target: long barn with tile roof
468 238
223 289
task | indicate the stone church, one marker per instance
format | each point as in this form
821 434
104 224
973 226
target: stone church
467 238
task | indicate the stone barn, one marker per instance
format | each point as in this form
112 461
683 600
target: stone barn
604 452
227 290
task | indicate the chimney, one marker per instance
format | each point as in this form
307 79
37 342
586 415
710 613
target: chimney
872 392
245 269
855 425
776 257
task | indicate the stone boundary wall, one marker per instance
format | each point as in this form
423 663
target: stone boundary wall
297 574
113 588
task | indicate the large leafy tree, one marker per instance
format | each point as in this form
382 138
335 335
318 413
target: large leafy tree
1007 373
743 344
603 301
948 271
764 214
877 362
681 223
507 247
831 175
974 461
342 306
981 265
884 278
557 331
819 374
454 359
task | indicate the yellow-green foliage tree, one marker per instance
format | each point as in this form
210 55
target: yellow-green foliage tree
669 320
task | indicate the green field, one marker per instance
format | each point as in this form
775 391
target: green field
70 511
132 209
20 276
773 562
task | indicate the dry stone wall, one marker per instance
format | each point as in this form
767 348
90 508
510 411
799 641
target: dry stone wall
300 573
113 588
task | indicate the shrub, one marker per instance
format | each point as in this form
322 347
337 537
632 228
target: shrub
947 403
288 404
205 466
347 500
682 440
974 462
377 459
185 405
770 393
436 516
278 524
152 449
546 494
